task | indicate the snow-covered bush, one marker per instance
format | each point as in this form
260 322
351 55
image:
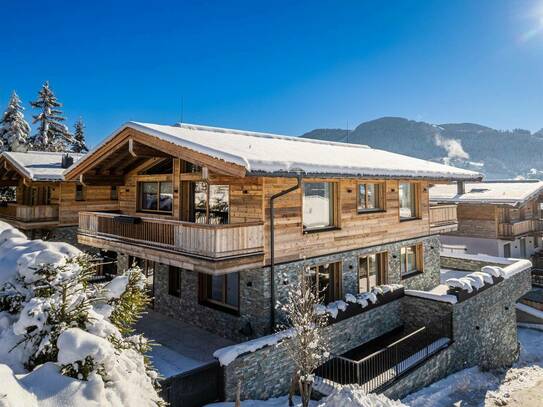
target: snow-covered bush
307 348
52 318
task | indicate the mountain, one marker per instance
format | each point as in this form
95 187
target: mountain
496 153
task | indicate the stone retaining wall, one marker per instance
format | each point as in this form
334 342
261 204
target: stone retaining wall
267 372
484 334
459 263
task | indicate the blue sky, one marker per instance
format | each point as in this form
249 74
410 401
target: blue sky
278 66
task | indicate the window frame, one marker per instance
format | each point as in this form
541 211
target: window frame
334 218
207 211
419 261
81 197
337 269
204 281
382 269
416 201
381 196
158 210
114 193
175 283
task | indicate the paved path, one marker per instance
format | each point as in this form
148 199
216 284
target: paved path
180 347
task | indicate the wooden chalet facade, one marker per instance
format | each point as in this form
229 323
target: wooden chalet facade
498 218
195 210
39 202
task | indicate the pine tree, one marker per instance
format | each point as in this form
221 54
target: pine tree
78 144
52 134
15 130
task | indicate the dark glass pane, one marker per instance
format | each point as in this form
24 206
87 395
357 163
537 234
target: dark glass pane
219 203
217 288
363 275
372 196
361 197
166 196
232 289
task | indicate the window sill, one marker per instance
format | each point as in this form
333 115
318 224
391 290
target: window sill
371 211
412 274
409 219
219 307
327 229
154 213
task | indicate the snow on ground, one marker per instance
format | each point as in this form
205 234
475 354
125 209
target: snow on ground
474 388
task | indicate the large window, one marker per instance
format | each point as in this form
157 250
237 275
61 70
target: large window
325 279
318 205
371 271
408 201
156 196
220 291
411 260
174 281
370 197
211 203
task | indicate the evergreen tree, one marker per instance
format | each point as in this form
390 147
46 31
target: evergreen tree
14 130
79 145
52 134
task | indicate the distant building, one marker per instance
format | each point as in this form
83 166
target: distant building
499 218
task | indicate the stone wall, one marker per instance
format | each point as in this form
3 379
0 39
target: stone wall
484 333
254 317
268 371
466 264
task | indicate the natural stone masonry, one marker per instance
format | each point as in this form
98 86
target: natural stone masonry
484 334
254 318
267 372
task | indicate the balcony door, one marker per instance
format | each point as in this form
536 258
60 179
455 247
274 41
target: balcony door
206 203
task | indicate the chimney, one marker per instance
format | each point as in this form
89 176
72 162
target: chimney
67 161
460 187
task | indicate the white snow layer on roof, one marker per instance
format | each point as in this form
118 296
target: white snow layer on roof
269 153
39 165
502 192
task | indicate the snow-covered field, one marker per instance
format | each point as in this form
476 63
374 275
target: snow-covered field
519 386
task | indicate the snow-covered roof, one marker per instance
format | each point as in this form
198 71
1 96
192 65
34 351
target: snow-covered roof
264 153
39 165
507 192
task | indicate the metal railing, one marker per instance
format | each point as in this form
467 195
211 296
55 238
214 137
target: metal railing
537 277
378 370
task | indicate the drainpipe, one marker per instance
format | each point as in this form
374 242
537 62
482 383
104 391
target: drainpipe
272 244
460 188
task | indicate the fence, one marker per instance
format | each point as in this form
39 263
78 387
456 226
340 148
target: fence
378 370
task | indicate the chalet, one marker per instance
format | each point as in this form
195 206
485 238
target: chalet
39 202
226 218
498 218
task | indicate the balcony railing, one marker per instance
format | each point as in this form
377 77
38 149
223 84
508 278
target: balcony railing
443 218
510 230
29 213
208 241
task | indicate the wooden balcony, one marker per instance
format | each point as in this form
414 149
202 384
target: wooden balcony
511 230
29 216
443 218
202 247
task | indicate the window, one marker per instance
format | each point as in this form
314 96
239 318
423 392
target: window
411 260
318 205
156 196
371 271
523 247
220 291
326 281
211 203
370 197
507 250
408 201
113 193
536 241
79 192
174 281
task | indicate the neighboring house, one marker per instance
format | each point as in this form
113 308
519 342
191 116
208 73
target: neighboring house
498 218
226 218
39 202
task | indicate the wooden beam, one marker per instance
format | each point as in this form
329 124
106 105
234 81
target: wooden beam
9 183
112 165
90 180
141 150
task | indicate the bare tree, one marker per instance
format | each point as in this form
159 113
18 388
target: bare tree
307 348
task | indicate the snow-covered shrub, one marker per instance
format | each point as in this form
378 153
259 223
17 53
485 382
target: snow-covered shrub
307 348
52 318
